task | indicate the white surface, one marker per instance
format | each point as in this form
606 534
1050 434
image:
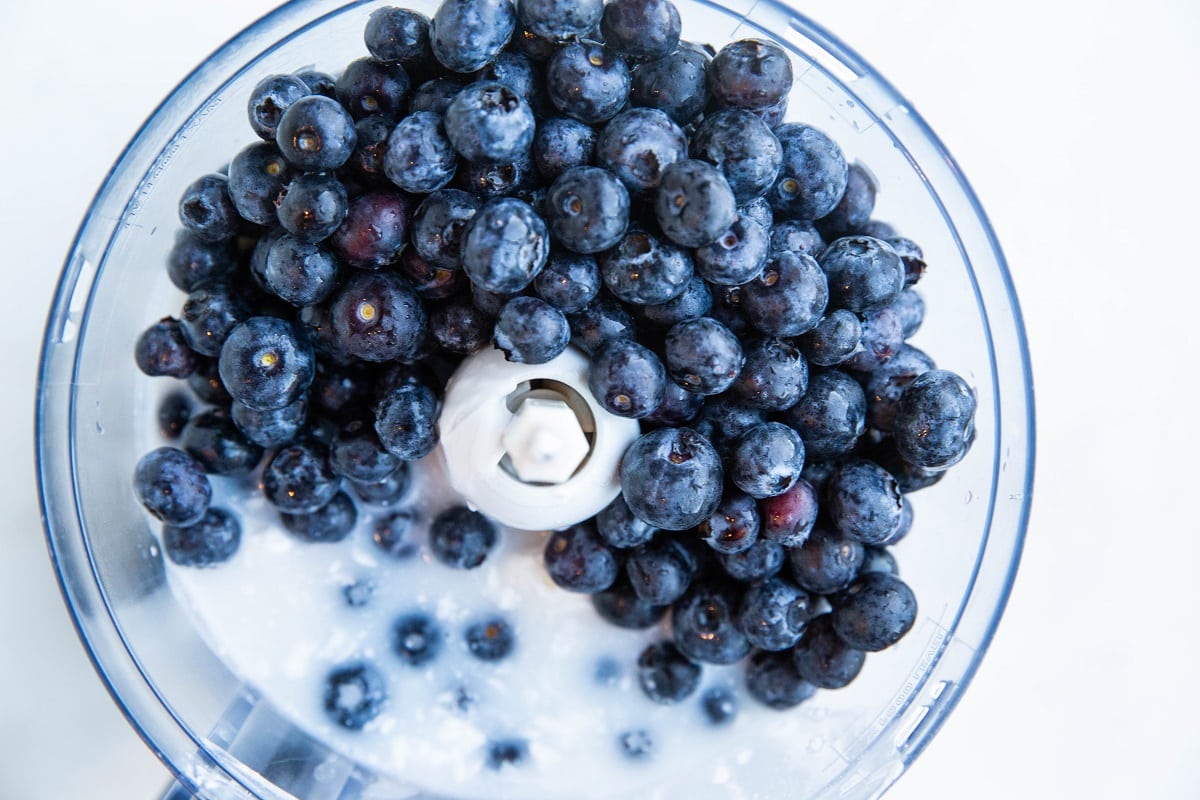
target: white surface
1076 123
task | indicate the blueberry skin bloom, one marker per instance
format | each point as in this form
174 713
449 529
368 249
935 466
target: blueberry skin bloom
864 273
406 421
368 87
834 340
569 281
560 143
638 144
676 84
617 525
743 148
313 206
265 364
207 210
882 337
560 19
704 621
504 246
316 134
270 98
772 679
875 612
774 614
752 74
672 478
466 34
703 356
627 378
587 81
531 331
438 225
397 35
831 415
864 501
299 479
827 562
694 204
419 156
258 176
578 560
641 28
377 316
666 675
812 176
643 270
374 231
789 297
587 209
299 273
935 420
163 349
767 460
737 256
354 695
824 660
774 377
461 538
660 571
490 122
211 541
172 486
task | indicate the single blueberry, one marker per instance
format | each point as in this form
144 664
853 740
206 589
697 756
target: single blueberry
397 34
569 281
666 675
504 246
587 81
406 421
619 528
355 694
912 256
318 82
797 236
489 122
377 316
420 157
270 428
162 349
265 364
212 438
767 460
733 526
637 145
560 143
705 627
935 420
172 486
298 272
205 382
660 571
298 478
884 387
258 178
644 270
375 228
703 356
827 562
641 28
830 416
823 659
788 518
578 560
393 533
507 751
388 492
619 605
531 331
461 538
627 378
270 98
772 679
587 209
774 377
691 304
761 560
194 263
875 612
459 327
332 522
438 224
676 84
720 705
750 73
738 255
855 207
742 146
560 19
601 321
880 559
211 541
679 407
370 149
694 204
417 638
316 134
467 34
368 86
490 639
864 273
812 175
835 339
789 297
774 614
207 210
313 207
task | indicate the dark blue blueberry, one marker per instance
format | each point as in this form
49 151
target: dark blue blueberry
884 387
321 83
824 660
789 297
388 492
370 149
587 81
855 207
827 562
359 593
313 207
726 418
882 338
162 349
660 571
491 639
467 34
560 19
417 638
705 626
507 751
935 420
602 321
836 338
213 439
759 210
316 134
878 229
831 415
703 356
736 257
461 538
205 382
406 420
676 84
774 377
797 236
356 453
692 304
207 210
459 327
490 122
270 428
742 147
531 331
489 303
331 522
694 205
377 316
397 34
173 413
641 28
419 156
875 612
619 605
619 528
812 175
912 256
438 226
354 695
434 95
627 378
733 526
258 177
561 143
211 541
788 518
587 209
270 98
194 263
637 145
172 486
496 180
636 745
666 675
393 533
910 308
300 273
578 560
774 613
569 281
720 705
375 229
298 479
750 73
367 87
518 72
880 559
643 270
772 680
767 460
818 472
504 246
759 561
864 273
265 364
679 407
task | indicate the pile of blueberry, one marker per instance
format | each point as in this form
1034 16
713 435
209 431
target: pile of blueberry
569 172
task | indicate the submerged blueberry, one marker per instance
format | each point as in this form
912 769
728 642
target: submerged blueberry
355 694
211 541
461 538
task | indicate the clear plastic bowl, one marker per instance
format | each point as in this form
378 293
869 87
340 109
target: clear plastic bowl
218 735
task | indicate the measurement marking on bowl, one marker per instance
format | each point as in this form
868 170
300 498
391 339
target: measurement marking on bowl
146 188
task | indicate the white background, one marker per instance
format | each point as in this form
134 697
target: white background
1076 123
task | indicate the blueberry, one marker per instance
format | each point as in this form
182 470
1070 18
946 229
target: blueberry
704 625
173 413
298 478
298 272
619 528
437 226
388 492
393 533
726 418
560 19
788 518
375 228
627 378
569 281
358 594
507 751
377 316
270 428
660 571
491 639
797 236
912 256
774 377
467 34
789 297
265 364
370 149
772 680
207 210
620 606
435 95
666 675
733 526
736 257
636 745
461 538
774 614
720 705
875 612
910 308
355 694
643 270
855 207
316 134
490 122
213 439
637 145
367 87
864 273
205 382
587 81
496 180
742 146
691 304
830 416
601 321
641 28
321 83
194 263
313 207
759 210
504 246
935 420
761 560
356 453
460 327
531 331
884 387
694 204
587 209
578 560
211 541
560 143
823 659
750 73
406 421
679 407
397 35
162 349
882 338
827 562
676 84
419 155
332 522
703 356
835 339
258 177
172 486
767 460
518 72
417 638
270 98
812 176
